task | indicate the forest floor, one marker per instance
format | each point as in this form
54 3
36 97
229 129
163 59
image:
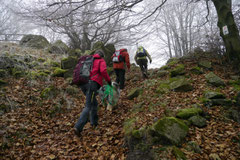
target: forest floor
43 128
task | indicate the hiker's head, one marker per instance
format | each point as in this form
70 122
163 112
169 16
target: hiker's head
100 53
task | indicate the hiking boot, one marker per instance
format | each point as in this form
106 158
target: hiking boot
77 132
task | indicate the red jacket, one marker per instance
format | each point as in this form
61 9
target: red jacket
99 70
120 65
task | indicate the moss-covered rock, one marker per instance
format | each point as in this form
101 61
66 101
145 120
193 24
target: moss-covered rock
214 95
178 70
163 88
3 73
162 73
134 93
205 64
169 130
178 154
41 60
75 53
58 72
196 70
172 61
38 75
181 85
58 47
69 62
193 146
221 102
188 112
48 92
34 41
214 79
2 82
198 121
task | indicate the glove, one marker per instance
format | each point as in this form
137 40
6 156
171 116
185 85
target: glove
110 83
150 61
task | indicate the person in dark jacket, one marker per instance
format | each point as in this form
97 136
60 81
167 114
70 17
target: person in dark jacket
99 71
141 60
120 67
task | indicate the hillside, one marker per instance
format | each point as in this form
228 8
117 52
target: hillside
39 110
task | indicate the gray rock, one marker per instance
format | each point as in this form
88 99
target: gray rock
205 64
214 79
198 121
134 93
214 95
170 130
34 41
181 85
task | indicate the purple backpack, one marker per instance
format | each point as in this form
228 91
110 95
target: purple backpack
81 72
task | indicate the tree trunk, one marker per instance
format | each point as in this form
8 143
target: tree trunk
231 38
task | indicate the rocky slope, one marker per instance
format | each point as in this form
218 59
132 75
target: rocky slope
188 109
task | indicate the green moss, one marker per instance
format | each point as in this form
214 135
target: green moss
165 67
58 72
188 112
163 88
129 126
178 154
172 61
41 60
136 134
3 73
196 70
178 70
169 120
48 92
2 82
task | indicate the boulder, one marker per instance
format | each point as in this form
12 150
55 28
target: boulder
214 79
34 41
69 62
58 72
196 70
162 73
198 121
193 146
58 47
188 112
222 102
181 85
214 95
134 93
169 130
205 64
178 70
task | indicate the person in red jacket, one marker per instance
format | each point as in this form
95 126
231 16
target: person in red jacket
120 65
99 71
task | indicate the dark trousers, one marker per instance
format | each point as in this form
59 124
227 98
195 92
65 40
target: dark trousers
90 110
120 77
143 65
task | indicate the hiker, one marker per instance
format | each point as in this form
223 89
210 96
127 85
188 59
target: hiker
141 60
120 62
98 72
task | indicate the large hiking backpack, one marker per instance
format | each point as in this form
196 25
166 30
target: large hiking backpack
81 72
141 53
118 57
